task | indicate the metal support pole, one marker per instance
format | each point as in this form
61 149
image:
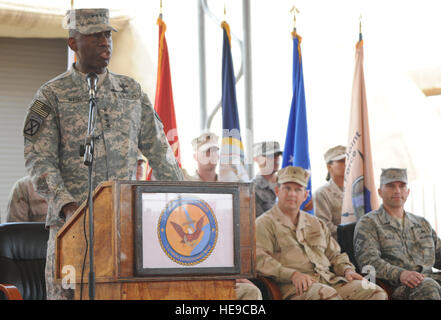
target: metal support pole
248 86
202 67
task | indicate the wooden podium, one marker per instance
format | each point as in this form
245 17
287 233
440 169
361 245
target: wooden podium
116 243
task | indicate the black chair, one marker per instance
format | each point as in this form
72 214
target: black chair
22 260
345 238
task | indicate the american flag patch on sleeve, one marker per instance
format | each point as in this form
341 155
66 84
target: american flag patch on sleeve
41 109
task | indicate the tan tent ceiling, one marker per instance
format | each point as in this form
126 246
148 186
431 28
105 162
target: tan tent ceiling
25 20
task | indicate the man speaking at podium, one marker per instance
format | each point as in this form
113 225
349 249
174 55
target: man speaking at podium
57 124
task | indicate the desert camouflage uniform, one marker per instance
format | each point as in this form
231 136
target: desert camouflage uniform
380 241
56 126
265 195
24 204
247 291
328 200
283 248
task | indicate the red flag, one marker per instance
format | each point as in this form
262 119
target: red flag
164 105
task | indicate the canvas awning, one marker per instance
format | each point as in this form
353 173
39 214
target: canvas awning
23 19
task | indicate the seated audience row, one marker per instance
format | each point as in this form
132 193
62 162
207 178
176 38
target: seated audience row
300 251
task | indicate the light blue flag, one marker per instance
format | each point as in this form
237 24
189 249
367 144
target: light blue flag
296 152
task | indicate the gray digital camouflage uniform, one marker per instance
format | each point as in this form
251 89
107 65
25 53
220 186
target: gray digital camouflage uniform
283 248
380 241
265 195
56 126
24 204
328 200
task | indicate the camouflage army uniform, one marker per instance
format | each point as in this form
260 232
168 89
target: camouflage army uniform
380 241
24 204
283 248
265 195
328 201
56 126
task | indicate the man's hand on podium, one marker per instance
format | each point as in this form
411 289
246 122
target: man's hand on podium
69 209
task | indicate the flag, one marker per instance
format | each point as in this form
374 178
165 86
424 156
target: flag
164 105
296 152
360 195
232 155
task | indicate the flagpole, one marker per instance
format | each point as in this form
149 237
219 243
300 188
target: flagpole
248 84
359 192
164 104
206 10
231 165
295 10
296 150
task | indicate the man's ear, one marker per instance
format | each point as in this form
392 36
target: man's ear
72 44
276 190
380 193
328 166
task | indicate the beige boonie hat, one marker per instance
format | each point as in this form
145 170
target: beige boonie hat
392 175
335 154
88 21
266 148
293 174
205 141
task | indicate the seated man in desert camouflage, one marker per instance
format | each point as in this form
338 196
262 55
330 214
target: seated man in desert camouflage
297 250
402 247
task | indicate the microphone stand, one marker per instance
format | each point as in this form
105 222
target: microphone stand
88 161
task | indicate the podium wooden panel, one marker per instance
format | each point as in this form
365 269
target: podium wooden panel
114 248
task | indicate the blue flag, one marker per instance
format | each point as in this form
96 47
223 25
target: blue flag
296 151
232 151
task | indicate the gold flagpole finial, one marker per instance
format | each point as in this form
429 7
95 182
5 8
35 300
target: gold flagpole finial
295 10
360 33
71 4
225 12
160 8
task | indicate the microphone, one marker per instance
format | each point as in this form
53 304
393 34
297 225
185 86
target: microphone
92 80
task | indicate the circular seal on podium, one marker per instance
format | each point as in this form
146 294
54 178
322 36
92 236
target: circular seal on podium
187 230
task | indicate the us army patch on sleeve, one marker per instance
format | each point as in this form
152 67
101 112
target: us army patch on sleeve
36 116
